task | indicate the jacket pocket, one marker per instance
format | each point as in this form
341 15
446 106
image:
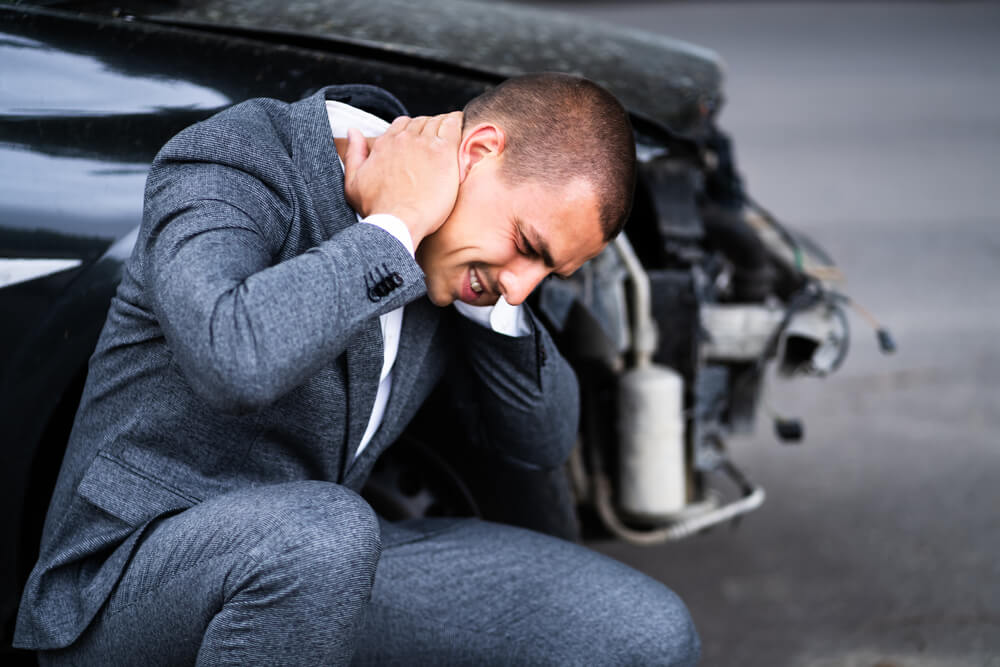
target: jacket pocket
127 493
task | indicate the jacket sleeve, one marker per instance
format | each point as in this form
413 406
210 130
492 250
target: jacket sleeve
516 395
246 319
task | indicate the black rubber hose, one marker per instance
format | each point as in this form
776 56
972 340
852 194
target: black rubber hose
755 274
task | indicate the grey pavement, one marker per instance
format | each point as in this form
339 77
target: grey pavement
875 127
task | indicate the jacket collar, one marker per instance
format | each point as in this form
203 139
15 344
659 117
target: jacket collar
315 152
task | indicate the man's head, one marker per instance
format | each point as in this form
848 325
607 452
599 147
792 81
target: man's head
547 169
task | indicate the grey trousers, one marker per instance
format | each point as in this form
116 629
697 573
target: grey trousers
305 574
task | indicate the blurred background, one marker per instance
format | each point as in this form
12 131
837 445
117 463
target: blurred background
875 128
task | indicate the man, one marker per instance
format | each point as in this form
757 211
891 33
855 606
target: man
268 341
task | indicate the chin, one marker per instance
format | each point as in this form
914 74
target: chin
438 299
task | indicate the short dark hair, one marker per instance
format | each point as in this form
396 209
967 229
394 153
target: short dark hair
560 127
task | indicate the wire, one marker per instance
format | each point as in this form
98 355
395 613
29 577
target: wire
886 342
861 310
786 235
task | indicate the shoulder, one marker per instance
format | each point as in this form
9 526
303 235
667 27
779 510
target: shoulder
243 133
244 153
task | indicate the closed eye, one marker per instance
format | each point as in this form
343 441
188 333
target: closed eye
538 249
526 248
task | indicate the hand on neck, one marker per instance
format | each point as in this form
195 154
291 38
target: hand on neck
341 144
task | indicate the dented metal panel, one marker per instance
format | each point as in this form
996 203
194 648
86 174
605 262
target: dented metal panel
667 80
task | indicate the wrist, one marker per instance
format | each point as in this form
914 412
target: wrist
395 226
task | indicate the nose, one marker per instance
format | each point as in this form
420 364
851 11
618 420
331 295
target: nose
517 281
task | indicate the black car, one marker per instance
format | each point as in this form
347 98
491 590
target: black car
90 90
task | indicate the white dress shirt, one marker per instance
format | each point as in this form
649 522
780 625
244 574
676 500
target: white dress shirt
502 317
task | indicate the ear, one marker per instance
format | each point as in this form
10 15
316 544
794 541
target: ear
484 141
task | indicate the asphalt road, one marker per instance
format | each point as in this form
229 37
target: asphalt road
875 128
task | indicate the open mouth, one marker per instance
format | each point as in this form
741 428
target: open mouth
474 283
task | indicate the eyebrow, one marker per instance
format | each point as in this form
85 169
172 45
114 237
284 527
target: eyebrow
538 245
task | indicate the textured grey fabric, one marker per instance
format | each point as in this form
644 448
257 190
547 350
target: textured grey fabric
242 350
284 575
467 592
280 574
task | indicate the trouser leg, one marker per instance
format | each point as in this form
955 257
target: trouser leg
468 592
274 575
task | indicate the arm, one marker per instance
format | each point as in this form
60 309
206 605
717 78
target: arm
517 395
245 321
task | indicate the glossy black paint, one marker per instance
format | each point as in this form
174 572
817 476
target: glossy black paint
668 81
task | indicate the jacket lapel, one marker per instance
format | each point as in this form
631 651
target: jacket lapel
364 357
316 154
420 322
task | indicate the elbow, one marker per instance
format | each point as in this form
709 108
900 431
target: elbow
234 390
240 400
230 369
554 459
562 441
543 456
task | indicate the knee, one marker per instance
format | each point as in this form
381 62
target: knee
332 525
335 522
319 535
667 631
639 621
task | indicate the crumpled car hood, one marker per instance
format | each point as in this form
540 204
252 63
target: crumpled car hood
668 81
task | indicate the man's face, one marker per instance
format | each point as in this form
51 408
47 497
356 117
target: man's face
504 239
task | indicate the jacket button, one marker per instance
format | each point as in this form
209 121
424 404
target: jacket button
396 279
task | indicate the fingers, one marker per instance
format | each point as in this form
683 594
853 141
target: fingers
446 126
411 171
418 124
357 150
397 126
451 126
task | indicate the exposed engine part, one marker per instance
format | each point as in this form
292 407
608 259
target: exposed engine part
723 184
796 251
789 430
710 416
670 187
717 288
651 470
699 519
738 332
590 309
643 324
814 341
674 185
754 274
652 467
886 343
675 308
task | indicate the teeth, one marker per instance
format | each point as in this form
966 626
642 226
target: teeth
474 281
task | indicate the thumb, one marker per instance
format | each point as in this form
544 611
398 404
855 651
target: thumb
357 151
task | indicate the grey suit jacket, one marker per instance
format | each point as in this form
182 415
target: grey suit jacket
243 348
